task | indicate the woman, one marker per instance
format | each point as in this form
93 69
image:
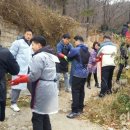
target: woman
92 66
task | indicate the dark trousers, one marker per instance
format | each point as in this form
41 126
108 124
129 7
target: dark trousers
78 93
121 66
41 122
89 78
2 110
107 74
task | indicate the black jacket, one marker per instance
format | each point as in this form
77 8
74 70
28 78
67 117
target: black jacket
7 65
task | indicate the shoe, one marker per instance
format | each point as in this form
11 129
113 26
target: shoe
68 90
101 95
15 108
73 115
80 111
97 85
88 86
109 92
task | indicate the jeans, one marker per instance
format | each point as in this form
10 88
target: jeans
66 80
15 95
41 122
106 83
2 110
78 94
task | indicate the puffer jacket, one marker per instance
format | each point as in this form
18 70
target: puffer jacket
109 51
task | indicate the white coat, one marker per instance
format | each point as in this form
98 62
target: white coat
22 52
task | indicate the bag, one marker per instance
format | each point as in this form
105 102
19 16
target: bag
84 54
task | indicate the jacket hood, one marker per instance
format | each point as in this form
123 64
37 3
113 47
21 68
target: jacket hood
47 49
83 46
50 52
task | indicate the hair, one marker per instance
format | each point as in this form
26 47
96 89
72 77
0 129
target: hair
67 35
28 30
95 44
107 37
80 38
39 39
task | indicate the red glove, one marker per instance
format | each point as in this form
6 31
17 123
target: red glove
98 59
20 79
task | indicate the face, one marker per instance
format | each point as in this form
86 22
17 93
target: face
36 46
76 42
28 35
96 46
66 40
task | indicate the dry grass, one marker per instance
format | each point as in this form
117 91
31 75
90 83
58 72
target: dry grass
26 14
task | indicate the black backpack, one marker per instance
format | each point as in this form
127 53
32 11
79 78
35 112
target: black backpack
84 54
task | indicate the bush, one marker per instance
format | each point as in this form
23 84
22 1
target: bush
26 14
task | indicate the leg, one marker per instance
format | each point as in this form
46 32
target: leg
46 122
2 110
82 95
15 95
121 66
66 81
37 121
96 79
14 98
88 80
58 79
109 91
104 82
76 86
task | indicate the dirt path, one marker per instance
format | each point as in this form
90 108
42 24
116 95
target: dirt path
22 120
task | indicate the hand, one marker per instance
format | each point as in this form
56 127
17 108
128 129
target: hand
65 57
20 79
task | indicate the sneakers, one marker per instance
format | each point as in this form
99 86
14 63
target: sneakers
101 95
68 90
15 108
73 115
97 85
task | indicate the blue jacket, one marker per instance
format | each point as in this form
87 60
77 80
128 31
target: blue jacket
77 68
64 49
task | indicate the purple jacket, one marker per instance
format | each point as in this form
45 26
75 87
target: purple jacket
92 65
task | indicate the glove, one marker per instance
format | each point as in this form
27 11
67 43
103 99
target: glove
20 79
65 57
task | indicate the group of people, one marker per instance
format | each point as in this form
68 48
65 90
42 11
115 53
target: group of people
35 65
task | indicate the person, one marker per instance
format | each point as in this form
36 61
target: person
107 53
7 65
44 87
92 65
124 30
123 60
79 57
21 51
63 48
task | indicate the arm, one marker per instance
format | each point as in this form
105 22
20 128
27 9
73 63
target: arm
59 48
12 65
14 48
72 54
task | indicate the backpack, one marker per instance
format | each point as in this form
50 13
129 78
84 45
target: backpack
84 54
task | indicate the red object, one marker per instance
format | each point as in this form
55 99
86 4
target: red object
61 55
20 79
128 36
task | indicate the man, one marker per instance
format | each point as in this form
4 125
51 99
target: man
107 52
79 57
7 65
21 51
123 60
63 48
44 87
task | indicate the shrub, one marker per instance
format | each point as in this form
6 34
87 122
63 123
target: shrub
26 14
